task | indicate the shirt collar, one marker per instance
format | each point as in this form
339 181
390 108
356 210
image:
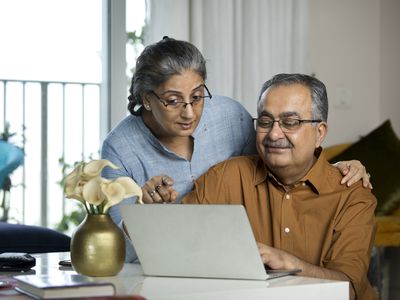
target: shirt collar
313 179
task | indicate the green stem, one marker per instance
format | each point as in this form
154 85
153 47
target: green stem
101 207
3 202
92 209
3 206
86 208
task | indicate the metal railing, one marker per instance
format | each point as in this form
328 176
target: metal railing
54 122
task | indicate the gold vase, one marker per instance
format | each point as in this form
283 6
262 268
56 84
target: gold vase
98 247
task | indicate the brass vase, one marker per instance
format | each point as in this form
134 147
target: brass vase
98 247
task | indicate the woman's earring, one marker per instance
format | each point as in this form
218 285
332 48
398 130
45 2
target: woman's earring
147 107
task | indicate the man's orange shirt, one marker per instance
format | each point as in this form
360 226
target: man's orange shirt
318 220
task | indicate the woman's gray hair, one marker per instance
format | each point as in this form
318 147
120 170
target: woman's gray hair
157 63
319 103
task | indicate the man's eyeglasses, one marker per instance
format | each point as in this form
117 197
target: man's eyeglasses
264 124
176 103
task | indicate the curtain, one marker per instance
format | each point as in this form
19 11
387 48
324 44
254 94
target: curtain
245 42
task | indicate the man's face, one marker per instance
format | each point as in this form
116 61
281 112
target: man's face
289 151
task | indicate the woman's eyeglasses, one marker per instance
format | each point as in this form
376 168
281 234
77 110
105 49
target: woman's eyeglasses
174 103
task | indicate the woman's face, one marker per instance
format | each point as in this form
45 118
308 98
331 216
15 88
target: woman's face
179 120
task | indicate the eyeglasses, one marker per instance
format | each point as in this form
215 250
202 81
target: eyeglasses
175 103
264 124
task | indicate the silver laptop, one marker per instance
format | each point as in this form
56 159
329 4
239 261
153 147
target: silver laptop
205 241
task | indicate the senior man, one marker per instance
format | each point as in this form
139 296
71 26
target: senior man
301 216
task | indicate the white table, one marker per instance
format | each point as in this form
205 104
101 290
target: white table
132 281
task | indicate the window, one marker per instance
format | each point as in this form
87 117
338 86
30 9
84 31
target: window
50 94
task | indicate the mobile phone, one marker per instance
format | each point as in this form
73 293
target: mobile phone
65 263
16 261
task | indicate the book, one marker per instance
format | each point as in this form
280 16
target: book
58 286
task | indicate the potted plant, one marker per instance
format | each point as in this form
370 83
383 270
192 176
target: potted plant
98 244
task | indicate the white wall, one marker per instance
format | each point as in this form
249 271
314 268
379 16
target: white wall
354 49
344 54
390 62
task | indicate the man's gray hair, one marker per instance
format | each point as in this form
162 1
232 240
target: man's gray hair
319 103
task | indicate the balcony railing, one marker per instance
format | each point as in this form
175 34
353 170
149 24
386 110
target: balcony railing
54 122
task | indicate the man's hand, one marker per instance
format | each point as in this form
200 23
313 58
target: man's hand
159 190
279 259
353 171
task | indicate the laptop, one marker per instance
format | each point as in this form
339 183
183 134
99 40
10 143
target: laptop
189 240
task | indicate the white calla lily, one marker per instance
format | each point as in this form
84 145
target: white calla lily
94 168
131 187
73 184
76 193
85 184
92 191
114 192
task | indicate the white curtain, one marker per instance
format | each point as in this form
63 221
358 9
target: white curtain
245 42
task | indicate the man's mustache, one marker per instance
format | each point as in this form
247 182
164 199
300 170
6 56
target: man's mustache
278 144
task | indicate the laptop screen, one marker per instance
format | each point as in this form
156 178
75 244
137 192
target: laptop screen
188 240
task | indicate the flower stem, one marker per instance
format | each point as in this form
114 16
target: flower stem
92 209
86 208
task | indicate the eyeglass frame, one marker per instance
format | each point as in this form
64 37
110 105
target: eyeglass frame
283 128
184 104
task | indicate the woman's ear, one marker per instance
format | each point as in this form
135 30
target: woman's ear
146 102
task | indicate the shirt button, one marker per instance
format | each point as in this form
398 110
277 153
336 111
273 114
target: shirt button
287 229
304 184
287 196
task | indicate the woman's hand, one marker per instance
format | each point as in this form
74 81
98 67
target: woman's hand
159 190
353 171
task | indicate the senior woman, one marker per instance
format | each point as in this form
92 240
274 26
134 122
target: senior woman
177 129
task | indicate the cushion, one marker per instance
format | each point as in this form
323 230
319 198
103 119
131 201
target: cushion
387 231
31 239
379 151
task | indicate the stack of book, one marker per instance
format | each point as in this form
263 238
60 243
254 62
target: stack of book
62 286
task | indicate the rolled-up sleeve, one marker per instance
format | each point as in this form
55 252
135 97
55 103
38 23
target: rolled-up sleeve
352 241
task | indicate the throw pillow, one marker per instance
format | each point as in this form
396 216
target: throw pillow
31 239
379 152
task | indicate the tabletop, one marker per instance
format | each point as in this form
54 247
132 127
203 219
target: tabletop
131 281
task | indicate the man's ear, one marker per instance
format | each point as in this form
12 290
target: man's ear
322 130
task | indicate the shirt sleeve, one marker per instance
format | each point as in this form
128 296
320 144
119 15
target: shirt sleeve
246 129
353 237
249 132
108 152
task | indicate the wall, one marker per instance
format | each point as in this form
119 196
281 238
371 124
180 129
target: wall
344 54
390 61
354 48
